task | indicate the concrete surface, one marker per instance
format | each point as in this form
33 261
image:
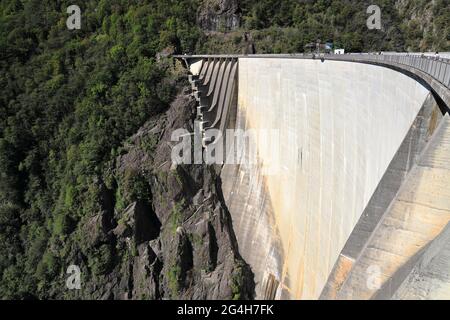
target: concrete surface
340 125
430 277
405 158
408 237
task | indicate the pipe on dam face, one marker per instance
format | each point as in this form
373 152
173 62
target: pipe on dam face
339 126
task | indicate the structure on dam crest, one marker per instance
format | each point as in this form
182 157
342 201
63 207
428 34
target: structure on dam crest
360 205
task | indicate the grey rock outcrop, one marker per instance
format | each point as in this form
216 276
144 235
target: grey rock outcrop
176 240
219 15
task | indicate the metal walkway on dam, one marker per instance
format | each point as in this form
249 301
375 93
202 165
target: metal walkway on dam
360 205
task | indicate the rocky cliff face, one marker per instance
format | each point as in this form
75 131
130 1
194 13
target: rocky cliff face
425 24
219 15
175 240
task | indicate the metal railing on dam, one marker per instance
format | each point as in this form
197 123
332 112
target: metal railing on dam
436 67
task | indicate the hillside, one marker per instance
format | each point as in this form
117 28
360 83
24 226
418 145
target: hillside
85 175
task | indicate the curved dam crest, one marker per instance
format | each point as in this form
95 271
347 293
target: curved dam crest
339 126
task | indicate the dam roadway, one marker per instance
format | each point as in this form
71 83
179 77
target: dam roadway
359 205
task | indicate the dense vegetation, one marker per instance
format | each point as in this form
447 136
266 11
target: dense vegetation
70 99
287 26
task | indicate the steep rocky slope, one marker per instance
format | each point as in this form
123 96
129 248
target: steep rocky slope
175 240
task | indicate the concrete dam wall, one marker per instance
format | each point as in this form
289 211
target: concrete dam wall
339 127
349 195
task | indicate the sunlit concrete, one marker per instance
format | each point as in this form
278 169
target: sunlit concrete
339 124
410 235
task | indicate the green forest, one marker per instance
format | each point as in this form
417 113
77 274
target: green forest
71 99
